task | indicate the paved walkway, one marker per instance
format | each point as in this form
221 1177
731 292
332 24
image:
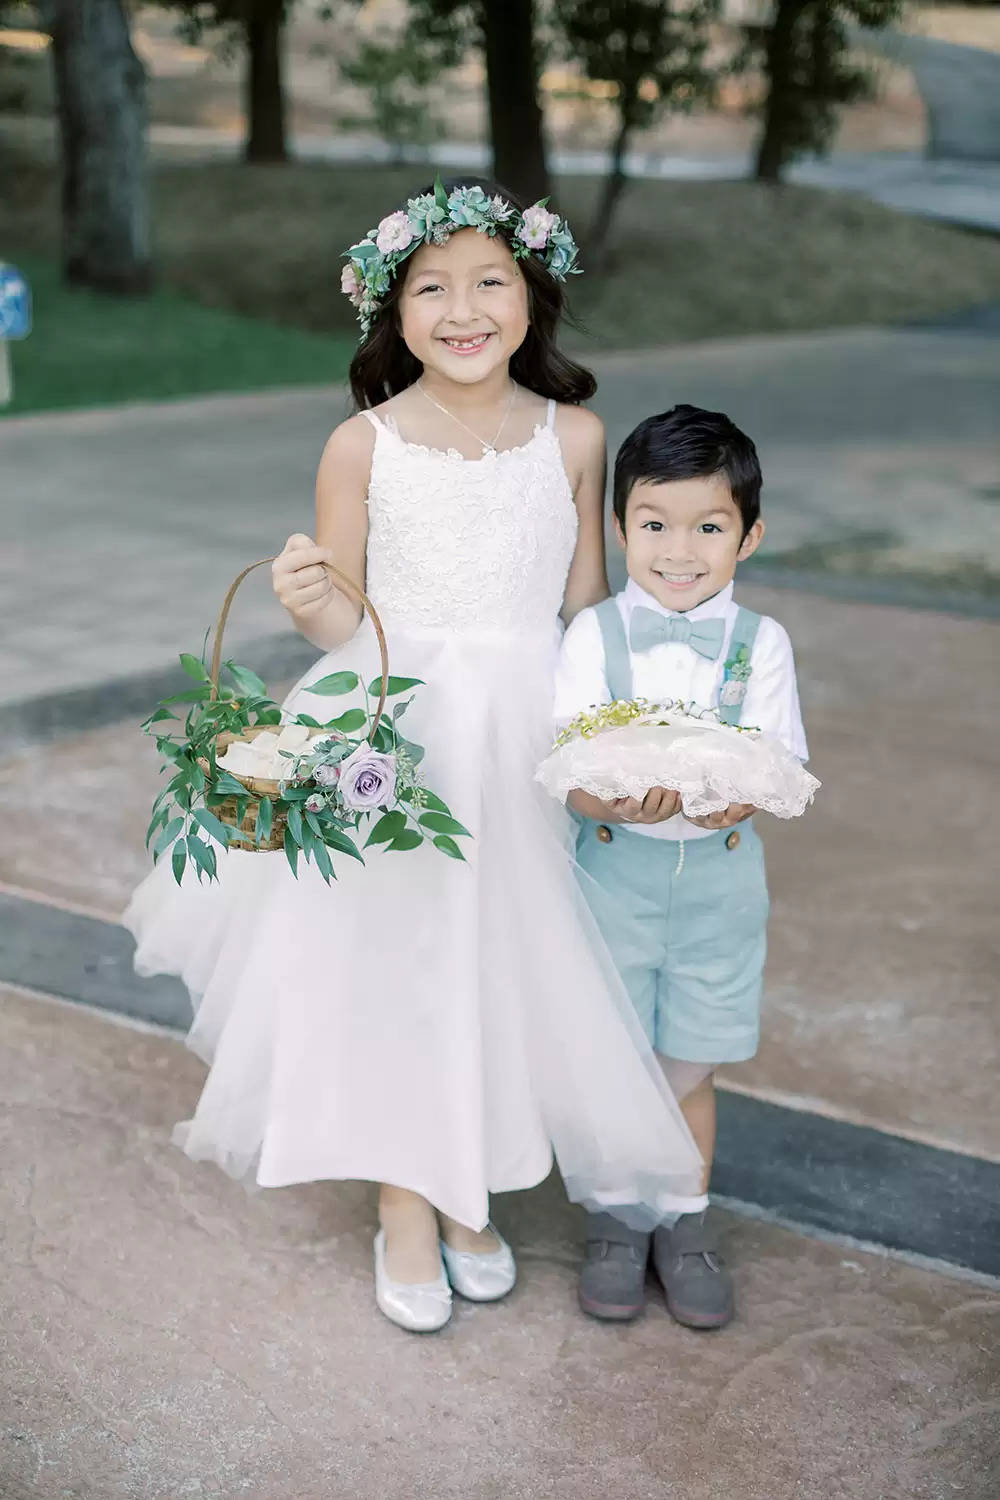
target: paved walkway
169 1335
879 448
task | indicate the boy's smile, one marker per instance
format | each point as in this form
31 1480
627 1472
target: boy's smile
683 539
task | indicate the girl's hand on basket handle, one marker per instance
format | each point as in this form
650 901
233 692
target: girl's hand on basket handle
300 581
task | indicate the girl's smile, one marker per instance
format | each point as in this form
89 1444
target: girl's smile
466 346
463 311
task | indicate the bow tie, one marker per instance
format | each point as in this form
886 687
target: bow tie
649 629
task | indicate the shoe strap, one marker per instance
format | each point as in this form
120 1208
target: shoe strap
692 1236
605 1229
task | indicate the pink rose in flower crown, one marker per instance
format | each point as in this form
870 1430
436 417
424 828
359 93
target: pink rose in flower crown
394 233
367 779
350 284
536 226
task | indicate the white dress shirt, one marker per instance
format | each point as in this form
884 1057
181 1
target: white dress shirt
675 670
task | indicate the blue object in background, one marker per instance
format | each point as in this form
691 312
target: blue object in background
15 303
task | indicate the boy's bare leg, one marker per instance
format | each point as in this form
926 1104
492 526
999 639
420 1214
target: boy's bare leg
698 1288
698 1109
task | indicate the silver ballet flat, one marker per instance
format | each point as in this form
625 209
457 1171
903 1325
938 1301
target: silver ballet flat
481 1278
422 1308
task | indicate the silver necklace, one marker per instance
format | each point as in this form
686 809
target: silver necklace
490 447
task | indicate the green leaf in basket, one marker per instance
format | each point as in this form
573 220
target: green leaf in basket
269 716
434 804
265 812
408 839
212 826
345 845
292 852
324 863
160 817
448 846
307 719
167 837
394 685
193 667
354 718
384 739
159 716
203 855
334 685
178 860
415 752
439 822
247 682
225 782
295 824
387 828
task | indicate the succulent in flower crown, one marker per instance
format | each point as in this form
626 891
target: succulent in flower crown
431 219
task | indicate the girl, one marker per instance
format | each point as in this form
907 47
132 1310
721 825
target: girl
433 1026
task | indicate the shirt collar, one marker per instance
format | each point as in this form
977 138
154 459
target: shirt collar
706 610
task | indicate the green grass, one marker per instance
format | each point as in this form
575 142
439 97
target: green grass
89 350
249 265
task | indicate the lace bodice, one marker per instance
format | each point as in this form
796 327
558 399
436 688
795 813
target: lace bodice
471 544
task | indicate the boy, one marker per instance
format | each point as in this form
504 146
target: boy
682 903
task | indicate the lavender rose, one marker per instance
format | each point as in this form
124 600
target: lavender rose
367 779
326 775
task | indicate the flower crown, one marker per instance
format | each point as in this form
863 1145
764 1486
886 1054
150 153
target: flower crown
432 219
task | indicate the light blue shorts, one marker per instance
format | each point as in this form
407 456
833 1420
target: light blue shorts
689 944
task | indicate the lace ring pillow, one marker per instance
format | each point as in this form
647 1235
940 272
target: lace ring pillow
623 749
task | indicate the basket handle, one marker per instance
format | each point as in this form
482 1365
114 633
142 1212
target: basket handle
349 586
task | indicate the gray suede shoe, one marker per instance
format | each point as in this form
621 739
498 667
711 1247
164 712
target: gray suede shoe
613 1277
699 1289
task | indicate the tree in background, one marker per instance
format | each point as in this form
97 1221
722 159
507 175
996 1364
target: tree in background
653 51
804 52
505 29
397 73
257 27
100 89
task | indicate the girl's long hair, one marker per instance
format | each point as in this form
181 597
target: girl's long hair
383 365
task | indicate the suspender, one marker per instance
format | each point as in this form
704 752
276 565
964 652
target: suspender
618 663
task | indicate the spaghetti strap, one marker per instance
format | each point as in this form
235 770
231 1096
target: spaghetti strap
372 418
550 415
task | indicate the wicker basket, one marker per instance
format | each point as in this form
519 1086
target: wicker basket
259 787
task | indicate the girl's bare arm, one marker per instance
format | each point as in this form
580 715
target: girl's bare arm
320 611
581 433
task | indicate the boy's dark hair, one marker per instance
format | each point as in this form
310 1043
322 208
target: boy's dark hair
383 365
688 442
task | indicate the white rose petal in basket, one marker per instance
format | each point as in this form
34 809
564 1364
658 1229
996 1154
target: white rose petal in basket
623 749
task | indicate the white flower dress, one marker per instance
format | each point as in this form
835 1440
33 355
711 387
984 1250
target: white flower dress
436 1025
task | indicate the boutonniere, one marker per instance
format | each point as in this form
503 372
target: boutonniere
737 675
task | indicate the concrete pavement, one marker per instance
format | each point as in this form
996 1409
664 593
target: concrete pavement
169 1335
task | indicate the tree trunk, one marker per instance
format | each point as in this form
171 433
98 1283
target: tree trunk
100 88
774 151
614 186
265 96
512 84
